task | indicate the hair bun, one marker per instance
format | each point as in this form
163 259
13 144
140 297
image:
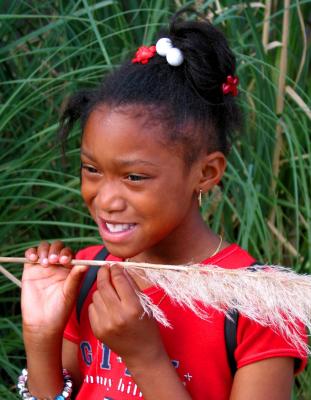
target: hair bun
208 58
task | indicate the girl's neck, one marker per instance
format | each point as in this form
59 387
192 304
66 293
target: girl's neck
192 242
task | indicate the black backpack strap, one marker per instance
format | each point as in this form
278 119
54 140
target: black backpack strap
231 327
88 281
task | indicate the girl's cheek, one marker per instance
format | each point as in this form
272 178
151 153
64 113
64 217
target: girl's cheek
88 186
88 198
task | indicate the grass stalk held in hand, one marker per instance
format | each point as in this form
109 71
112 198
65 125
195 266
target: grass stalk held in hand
272 296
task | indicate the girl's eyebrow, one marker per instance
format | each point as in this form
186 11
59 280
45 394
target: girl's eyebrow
85 153
128 163
123 162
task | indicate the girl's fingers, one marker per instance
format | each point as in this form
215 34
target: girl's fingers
59 254
31 254
99 303
72 282
43 252
124 285
48 254
97 316
105 288
54 251
131 280
93 316
65 256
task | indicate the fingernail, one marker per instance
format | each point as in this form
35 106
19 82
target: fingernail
45 261
32 257
64 259
53 257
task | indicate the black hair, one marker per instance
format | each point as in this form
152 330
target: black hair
188 100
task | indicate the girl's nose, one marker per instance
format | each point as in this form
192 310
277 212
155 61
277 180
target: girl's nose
109 199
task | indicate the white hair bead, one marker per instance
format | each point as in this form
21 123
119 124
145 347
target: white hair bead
174 57
163 45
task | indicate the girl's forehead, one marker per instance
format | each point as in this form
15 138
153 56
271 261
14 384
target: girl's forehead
129 124
117 133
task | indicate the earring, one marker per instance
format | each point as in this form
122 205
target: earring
200 198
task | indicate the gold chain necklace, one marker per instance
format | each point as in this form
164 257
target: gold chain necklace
212 255
218 247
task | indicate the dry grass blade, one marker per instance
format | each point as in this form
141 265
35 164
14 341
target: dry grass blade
280 101
277 298
266 25
273 45
272 296
304 40
10 276
282 239
298 100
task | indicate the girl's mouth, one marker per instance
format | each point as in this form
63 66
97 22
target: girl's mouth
115 228
115 232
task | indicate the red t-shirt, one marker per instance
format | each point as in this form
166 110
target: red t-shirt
195 346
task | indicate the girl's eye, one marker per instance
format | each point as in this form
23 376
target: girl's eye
136 178
89 168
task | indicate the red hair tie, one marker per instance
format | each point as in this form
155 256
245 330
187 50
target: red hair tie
143 54
230 86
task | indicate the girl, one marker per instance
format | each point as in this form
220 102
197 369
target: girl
155 137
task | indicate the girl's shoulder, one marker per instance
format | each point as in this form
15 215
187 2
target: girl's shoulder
232 256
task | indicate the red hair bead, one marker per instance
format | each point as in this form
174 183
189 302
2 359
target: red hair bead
230 86
143 54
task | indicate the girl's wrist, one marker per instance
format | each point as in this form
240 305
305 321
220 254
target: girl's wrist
44 363
157 378
137 363
35 332
42 342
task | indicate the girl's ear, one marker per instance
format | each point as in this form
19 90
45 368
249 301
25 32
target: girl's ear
212 168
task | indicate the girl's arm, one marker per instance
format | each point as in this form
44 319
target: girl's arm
48 295
43 352
147 378
118 320
158 379
267 379
46 363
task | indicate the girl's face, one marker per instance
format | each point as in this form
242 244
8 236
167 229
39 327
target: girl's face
136 188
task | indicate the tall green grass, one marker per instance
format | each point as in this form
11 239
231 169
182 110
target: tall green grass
48 49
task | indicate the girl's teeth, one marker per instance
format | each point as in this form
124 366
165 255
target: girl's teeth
118 227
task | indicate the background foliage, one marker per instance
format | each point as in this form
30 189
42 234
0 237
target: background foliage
49 48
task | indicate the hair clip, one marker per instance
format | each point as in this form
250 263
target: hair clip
164 48
174 56
230 86
143 54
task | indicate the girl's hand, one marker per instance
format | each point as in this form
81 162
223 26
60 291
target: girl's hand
49 290
118 320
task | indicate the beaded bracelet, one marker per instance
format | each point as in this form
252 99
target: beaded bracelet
25 394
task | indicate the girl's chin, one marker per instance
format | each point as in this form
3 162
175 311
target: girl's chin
119 251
